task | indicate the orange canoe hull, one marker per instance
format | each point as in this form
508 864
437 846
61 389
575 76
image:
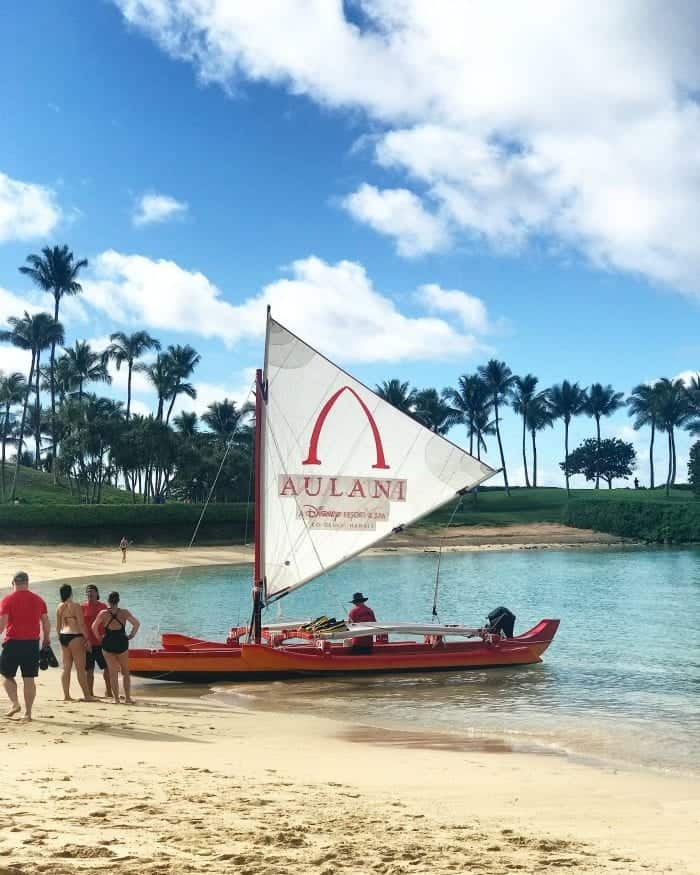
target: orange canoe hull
193 660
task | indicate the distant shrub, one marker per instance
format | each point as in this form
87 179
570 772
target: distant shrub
654 521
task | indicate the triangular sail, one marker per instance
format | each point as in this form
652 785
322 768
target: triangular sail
341 468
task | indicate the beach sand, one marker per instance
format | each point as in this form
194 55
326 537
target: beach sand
176 785
46 562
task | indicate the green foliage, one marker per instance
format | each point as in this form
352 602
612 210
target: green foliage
654 520
611 459
694 468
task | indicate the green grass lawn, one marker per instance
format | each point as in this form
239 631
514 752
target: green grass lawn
36 487
492 507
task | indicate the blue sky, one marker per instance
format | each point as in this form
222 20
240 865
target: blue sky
415 190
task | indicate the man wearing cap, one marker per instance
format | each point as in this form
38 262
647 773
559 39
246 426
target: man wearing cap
22 614
91 608
360 613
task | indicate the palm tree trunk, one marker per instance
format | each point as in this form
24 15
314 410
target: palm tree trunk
37 435
80 390
651 455
128 390
471 438
673 453
52 380
500 449
670 464
23 421
597 472
527 481
566 455
5 430
534 460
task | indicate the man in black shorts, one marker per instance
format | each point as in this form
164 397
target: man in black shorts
22 614
91 608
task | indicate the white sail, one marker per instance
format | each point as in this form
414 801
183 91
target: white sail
341 468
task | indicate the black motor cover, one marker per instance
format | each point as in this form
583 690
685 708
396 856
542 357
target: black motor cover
501 620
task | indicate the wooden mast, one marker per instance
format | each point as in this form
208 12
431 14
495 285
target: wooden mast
255 631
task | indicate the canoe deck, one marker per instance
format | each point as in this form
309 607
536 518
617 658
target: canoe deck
197 661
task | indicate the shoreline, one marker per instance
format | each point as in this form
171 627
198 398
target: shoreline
49 563
203 788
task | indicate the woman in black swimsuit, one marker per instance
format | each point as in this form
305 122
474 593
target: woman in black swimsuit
111 625
72 634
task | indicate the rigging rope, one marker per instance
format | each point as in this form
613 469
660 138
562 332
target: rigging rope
439 560
156 634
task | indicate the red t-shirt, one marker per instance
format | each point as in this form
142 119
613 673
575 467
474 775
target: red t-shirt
362 614
90 612
24 610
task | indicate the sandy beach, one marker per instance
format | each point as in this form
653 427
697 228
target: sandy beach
203 783
48 562
175 785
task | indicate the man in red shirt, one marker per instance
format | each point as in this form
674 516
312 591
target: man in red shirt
91 608
22 614
361 613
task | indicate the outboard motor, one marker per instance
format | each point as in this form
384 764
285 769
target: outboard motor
501 621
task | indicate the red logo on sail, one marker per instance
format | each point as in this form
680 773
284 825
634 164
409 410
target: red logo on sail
312 455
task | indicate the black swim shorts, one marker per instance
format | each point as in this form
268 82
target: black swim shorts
95 657
20 654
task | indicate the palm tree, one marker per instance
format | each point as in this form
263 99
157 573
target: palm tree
538 417
499 380
643 405
160 378
128 348
483 425
186 424
35 334
522 394
673 410
180 362
12 391
86 366
224 418
471 400
398 394
55 271
434 412
566 400
602 401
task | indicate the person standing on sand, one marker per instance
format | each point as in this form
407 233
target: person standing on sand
123 544
22 615
360 613
91 608
73 635
110 624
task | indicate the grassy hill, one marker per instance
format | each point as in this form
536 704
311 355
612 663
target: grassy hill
492 507
36 487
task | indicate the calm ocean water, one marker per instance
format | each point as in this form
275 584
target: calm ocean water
620 684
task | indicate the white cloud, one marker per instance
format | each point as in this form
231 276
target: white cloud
334 306
27 210
470 310
687 376
518 121
14 305
400 214
13 359
207 393
152 208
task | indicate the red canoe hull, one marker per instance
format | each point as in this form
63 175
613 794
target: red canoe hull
193 660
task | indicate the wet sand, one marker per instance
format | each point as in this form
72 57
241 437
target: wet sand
44 563
176 784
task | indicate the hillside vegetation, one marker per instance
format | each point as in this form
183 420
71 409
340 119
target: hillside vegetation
48 514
